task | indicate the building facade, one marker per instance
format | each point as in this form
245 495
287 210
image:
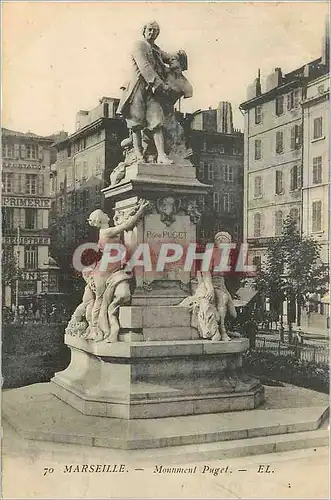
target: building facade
83 164
315 181
26 203
218 154
275 142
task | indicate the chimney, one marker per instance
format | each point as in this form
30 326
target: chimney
81 119
254 89
326 45
224 118
274 79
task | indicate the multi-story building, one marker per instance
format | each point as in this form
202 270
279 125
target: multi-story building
274 151
83 164
218 155
26 203
315 179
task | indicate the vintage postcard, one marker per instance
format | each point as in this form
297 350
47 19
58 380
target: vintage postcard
165 249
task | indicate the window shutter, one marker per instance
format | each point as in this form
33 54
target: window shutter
22 217
299 174
298 136
17 183
16 151
16 217
39 219
293 137
40 184
23 151
40 152
289 100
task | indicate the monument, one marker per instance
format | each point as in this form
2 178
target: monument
152 363
147 343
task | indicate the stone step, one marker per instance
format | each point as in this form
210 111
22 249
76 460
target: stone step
36 414
233 449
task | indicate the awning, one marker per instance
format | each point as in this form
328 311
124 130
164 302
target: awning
244 296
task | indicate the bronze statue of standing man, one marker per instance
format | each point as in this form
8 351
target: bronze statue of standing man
143 96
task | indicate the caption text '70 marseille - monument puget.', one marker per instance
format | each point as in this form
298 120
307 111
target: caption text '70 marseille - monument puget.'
147 345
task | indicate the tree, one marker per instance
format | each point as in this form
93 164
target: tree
9 264
293 269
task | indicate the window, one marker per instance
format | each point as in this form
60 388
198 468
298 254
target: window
226 202
228 173
201 170
258 115
221 149
257 225
7 182
317 170
318 127
295 177
98 165
290 100
279 142
69 150
202 202
85 170
9 151
85 199
78 172
70 176
30 218
53 182
278 222
293 99
216 201
258 149
294 214
30 183
279 182
31 151
258 187
235 151
210 172
295 137
316 216
236 232
279 105
296 98
30 257
7 218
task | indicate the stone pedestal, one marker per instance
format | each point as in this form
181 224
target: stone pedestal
156 379
173 192
160 367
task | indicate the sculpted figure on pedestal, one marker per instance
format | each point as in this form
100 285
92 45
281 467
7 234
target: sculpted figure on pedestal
211 302
148 98
106 290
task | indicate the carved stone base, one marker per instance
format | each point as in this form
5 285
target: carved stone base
156 323
156 379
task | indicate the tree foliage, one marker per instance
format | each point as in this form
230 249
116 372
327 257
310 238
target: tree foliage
292 270
9 266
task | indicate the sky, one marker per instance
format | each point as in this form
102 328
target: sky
59 58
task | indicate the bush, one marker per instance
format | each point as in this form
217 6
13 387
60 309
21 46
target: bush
32 353
287 369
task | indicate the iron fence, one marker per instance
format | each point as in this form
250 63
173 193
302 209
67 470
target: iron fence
316 354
